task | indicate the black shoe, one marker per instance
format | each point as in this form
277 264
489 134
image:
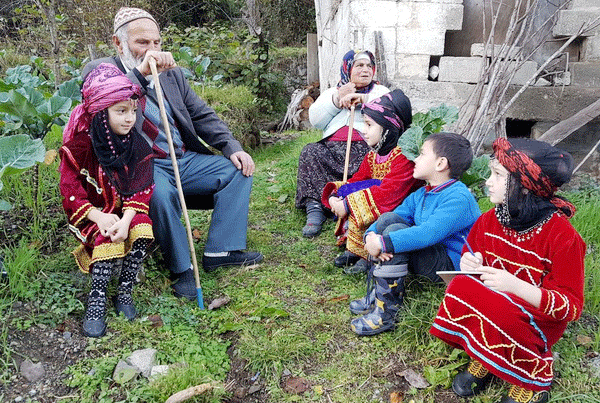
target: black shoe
311 230
233 258
346 259
184 285
465 384
518 394
362 266
127 309
94 328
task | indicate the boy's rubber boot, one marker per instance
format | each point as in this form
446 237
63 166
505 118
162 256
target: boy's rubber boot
315 217
365 304
518 394
472 380
94 322
389 294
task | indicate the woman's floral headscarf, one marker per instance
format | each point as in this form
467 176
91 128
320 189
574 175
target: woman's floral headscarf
348 61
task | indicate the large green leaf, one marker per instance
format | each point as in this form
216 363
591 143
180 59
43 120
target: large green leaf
18 153
18 106
411 141
448 114
59 105
35 97
70 89
478 172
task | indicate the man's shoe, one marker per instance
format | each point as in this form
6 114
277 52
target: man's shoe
233 258
184 285
346 259
517 394
94 328
472 380
128 310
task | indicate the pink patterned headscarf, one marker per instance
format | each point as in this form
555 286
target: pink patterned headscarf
105 86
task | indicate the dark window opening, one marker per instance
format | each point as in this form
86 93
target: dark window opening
519 128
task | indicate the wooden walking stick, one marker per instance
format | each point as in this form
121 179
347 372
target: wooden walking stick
348 143
167 128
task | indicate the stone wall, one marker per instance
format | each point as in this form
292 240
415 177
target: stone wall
433 50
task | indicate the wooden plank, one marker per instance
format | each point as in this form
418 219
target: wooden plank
312 59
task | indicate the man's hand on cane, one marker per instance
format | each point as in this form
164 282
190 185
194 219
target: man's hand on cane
164 61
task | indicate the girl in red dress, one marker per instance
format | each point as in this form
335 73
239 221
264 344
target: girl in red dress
106 181
532 259
381 183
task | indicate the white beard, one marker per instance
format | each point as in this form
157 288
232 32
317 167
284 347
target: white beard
127 58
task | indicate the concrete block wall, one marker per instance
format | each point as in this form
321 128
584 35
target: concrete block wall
411 31
590 49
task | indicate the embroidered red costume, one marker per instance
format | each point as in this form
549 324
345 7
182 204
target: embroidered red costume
366 205
509 336
84 186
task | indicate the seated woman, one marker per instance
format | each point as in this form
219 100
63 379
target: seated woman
323 161
383 180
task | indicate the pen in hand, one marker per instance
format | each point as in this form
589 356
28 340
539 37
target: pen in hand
468 246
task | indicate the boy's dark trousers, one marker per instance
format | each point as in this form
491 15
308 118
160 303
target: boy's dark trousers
388 279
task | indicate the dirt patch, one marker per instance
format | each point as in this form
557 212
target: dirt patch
54 348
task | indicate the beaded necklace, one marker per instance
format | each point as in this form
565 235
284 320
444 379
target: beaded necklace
525 235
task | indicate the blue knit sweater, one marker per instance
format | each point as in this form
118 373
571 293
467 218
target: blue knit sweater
441 215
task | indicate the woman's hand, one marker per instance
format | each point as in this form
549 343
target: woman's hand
344 90
352 99
338 207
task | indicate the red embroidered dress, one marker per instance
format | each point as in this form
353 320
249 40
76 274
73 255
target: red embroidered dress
509 336
366 205
84 186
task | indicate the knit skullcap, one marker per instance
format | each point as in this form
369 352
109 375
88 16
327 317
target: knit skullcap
128 14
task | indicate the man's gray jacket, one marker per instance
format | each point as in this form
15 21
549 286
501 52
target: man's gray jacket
193 117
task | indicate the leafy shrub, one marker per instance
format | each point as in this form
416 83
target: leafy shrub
235 55
237 106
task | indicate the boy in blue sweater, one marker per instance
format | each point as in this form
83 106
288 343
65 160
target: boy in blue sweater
422 235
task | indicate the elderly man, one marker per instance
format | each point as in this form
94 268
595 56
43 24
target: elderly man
227 179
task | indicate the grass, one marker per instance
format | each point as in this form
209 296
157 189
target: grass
287 315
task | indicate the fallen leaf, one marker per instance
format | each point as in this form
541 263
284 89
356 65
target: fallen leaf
282 198
218 302
50 157
196 234
296 385
416 380
584 340
396 397
156 320
344 297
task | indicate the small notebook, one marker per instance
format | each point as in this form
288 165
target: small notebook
447 276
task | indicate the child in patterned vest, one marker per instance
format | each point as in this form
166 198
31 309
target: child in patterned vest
382 181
